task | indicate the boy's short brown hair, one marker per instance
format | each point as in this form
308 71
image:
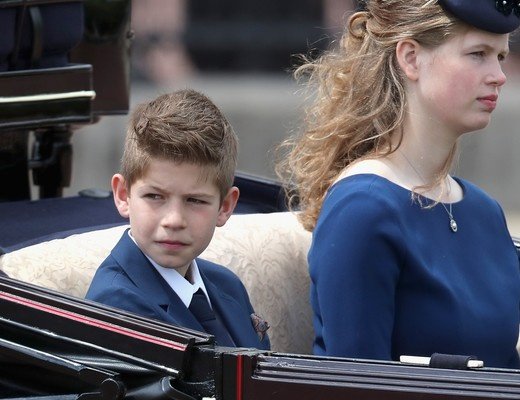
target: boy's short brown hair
183 126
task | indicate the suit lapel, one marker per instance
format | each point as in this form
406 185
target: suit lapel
145 277
233 315
170 308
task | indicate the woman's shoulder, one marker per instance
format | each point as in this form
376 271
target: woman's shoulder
369 187
363 207
374 166
364 197
361 183
369 175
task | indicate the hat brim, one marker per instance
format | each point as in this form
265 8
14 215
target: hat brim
482 14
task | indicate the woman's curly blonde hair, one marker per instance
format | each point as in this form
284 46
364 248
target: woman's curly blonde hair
358 100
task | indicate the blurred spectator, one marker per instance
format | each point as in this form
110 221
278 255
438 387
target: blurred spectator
159 54
175 38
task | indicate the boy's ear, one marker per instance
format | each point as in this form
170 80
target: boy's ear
120 195
228 205
407 52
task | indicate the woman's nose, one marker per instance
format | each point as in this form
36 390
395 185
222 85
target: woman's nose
498 77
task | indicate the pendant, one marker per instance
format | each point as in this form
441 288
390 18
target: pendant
453 225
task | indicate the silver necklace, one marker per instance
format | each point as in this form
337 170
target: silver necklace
453 224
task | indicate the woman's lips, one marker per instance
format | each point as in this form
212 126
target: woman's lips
490 102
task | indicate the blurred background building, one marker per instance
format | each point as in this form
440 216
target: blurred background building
240 53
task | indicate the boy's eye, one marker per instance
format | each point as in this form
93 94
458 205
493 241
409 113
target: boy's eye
153 196
196 201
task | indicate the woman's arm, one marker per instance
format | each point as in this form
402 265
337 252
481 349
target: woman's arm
354 262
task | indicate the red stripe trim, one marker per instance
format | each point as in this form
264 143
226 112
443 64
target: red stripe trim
93 322
240 376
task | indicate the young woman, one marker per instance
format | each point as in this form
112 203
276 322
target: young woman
406 259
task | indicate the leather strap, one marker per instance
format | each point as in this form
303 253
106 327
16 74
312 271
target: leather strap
20 19
37 37
37 40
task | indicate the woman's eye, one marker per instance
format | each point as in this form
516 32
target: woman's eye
478 54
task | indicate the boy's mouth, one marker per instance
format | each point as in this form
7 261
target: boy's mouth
172 244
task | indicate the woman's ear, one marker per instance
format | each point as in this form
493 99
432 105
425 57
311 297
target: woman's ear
228 205
407 52
121 195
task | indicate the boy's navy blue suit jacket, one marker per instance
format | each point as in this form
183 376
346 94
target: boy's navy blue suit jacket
127 280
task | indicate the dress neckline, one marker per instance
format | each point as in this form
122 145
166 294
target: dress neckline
399 187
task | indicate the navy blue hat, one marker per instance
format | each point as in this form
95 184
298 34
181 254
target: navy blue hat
496 16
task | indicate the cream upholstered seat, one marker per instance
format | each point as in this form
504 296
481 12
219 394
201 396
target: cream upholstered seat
267 251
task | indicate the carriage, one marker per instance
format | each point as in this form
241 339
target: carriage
56 345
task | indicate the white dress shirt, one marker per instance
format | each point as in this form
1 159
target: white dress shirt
180 284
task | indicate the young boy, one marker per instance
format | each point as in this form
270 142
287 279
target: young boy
176 186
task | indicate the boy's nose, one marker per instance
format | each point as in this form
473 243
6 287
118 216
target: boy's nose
174 219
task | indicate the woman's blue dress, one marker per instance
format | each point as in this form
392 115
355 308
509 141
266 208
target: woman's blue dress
390 278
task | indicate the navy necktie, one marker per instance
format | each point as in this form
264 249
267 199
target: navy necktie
201 309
